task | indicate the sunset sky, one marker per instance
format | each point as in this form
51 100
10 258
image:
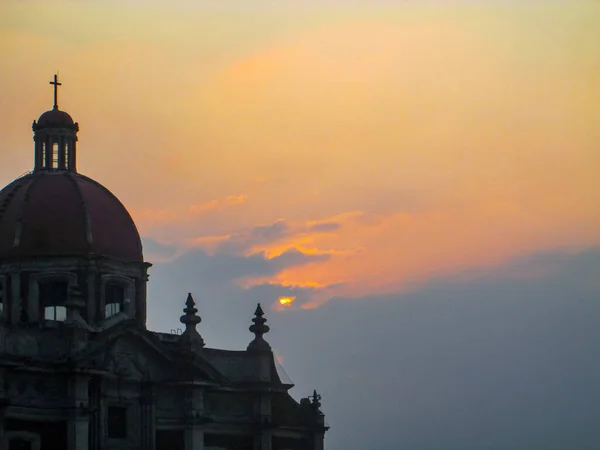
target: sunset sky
348 154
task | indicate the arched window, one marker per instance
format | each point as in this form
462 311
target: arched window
114 298
53 296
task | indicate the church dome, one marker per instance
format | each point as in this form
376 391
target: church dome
56 118
63 213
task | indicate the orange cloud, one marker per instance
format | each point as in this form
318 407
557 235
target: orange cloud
217 204
464 136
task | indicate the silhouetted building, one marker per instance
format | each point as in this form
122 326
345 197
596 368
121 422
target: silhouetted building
78 368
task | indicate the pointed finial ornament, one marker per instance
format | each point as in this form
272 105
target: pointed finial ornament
315 403
259 329
315 400
190 319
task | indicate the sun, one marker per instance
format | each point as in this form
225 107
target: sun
286 301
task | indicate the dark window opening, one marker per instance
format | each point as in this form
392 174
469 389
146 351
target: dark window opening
281 443
114 299
170 440
238 442
53 296
19 444
52 434
117 422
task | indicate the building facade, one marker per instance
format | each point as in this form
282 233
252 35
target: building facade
79 370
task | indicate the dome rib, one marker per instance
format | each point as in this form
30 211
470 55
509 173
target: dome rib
8 233
121 205
85 212
19 223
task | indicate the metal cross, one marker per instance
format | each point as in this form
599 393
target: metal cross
56 84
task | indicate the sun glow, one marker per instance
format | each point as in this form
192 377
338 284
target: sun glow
286 301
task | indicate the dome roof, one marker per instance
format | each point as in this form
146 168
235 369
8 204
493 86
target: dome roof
63 213
55 117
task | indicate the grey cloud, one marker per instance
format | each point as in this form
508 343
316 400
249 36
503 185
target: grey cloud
262 234
242 240
268 233
219 268
325 226
295 258
154 250
212 279
492 361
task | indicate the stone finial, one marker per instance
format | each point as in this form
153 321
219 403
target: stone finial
190 319
315 400
259 329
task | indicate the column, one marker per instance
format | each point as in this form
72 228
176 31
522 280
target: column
48 153
39 148
61 153
73 154
15 305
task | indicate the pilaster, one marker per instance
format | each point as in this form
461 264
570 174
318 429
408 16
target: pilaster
319 439
33 306
3 405
91 297
15 306
194 438
149 417
3 299
78 428
265 417
140 299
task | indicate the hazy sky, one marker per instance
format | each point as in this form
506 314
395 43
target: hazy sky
420 175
